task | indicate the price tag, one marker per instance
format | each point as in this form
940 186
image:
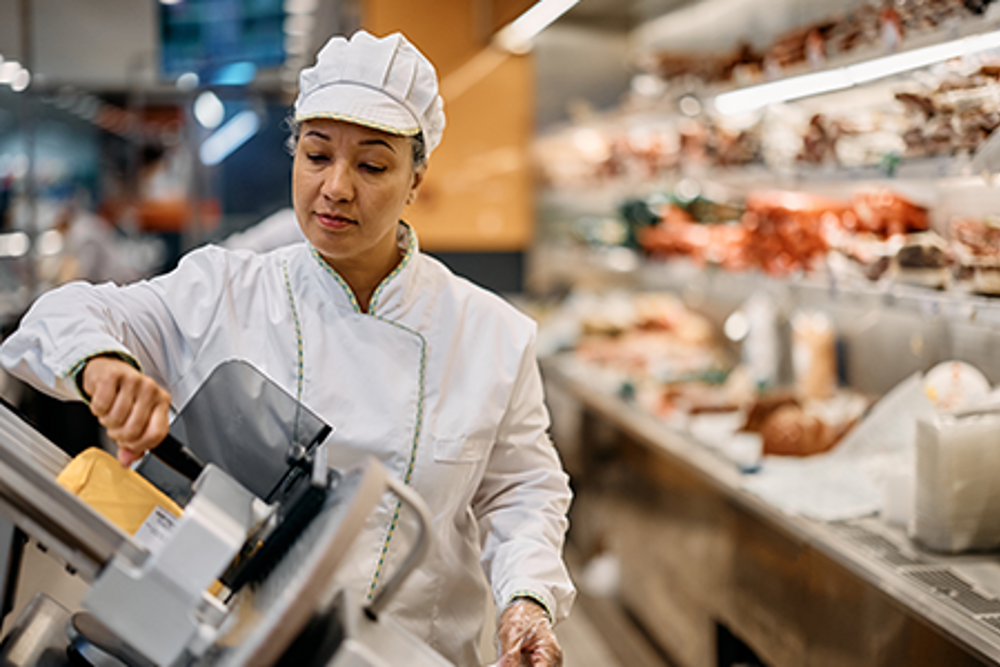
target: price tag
156 529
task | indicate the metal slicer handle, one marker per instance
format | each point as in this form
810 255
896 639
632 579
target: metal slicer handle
409 497
178 457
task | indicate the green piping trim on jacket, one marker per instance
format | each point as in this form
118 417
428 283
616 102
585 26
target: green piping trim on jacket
336 276
395 272
417 429
300 372
421 382
381 286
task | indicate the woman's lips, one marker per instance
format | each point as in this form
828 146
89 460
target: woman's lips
330 221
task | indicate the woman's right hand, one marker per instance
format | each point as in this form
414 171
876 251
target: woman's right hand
131 406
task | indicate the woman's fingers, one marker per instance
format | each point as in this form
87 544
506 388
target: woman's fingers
127 457
127 388
152 426
100 380
139 414
131 406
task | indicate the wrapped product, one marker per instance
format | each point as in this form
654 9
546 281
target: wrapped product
885 213
814 356
924 260
119 494
955 385
977 253
957 499
785 229
791 431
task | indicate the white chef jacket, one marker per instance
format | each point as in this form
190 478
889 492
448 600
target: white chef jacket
438 380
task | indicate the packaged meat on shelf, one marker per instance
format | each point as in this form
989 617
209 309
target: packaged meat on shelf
652 350
866 180
762 267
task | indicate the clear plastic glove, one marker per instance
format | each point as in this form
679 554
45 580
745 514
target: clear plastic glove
526 637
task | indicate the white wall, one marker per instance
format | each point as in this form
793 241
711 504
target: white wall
96 43
112 44
10 22
574 63
90 43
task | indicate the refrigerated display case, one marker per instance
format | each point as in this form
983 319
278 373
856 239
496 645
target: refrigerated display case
871 205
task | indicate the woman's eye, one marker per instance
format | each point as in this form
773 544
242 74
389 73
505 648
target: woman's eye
373 168
315 157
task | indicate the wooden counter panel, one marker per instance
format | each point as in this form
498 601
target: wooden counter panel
692 556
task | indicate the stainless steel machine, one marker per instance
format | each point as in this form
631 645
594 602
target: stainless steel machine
262 514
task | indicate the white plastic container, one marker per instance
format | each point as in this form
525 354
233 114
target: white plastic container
957 497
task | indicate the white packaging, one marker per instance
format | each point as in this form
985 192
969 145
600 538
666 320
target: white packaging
814 356
897 499
957 498
761 349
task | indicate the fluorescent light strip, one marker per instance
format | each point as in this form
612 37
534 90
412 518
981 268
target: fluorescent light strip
748 99
8 70
516 36
15 244
752 98
229 137
903 62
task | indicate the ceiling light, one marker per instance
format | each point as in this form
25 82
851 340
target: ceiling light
50 242
516 36
755 97
209 110
21 81
15 244
905 61
8 69
229 137
235 74
187 81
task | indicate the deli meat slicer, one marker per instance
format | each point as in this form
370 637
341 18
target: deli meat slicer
243 577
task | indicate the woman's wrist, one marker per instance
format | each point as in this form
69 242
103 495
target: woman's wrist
81 367
533 598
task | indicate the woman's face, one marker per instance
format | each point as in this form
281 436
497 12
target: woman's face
350 185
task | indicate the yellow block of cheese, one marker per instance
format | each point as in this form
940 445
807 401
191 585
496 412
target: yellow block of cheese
119 494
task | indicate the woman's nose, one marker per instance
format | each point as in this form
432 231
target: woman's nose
338 185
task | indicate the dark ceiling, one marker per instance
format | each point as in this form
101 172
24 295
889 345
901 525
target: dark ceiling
619 15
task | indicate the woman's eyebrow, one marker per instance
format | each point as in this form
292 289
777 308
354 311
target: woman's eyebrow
378 142
363 142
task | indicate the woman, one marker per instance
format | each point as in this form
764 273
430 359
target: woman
434 376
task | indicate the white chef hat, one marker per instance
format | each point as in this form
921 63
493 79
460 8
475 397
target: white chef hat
385 84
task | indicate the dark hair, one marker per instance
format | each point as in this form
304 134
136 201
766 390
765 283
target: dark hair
417 142
419 149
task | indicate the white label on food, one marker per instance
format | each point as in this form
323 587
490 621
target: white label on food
156 529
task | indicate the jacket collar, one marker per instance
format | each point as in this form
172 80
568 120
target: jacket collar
391 292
